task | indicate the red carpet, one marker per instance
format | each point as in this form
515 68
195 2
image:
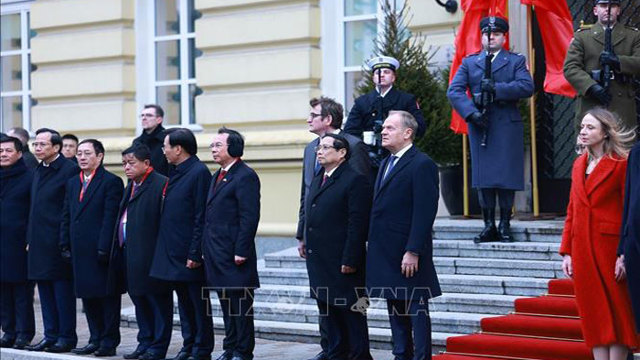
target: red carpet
542 328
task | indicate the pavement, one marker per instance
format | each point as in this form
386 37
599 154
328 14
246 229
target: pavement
265 349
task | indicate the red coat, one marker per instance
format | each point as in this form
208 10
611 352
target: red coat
591 235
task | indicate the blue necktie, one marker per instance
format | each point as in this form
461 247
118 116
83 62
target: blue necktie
392 163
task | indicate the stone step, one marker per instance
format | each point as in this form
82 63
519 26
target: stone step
379 338
451 302
537 231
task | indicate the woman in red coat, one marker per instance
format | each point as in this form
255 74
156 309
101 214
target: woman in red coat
591 235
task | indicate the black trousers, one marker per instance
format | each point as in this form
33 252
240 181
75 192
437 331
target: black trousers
347 333
196 323
410 329
632 266
16 311
58 304
237 313
153 315
487 198
103 318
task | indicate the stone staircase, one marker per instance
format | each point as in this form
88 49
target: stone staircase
477 281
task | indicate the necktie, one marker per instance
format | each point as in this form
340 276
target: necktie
392 163
221 175
324 180
85 184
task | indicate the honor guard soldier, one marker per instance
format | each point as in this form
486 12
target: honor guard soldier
497 79
376 104
593 54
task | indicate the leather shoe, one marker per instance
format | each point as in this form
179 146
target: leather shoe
59 348
20 344
182 355
6 343
200 357
151 356
103 351
43 344
225 356
320 356
85 350
136 354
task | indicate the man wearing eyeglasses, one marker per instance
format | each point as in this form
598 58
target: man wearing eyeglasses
153 135
45 262
324 118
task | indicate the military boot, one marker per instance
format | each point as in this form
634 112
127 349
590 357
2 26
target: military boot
504 228
489 233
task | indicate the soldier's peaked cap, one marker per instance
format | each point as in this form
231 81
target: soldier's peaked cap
383 62
613 2
494 24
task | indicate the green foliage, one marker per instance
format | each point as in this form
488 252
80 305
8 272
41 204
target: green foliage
415 77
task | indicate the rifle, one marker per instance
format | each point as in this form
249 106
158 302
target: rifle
374 138
485 98
603 76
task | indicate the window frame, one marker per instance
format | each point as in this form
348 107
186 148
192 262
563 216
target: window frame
23 8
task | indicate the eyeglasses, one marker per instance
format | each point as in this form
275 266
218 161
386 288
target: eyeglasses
41 144
323 147
314 115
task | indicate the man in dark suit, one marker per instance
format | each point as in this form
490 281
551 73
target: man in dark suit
153 136
178 255
88 220
400 253
135 239
498 167
233 212
337 220
326 117
22 134
376 104
45 262
16 292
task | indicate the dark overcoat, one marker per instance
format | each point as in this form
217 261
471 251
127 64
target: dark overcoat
233 212
15 188
501 163
630 233
366 110
154 141
182 223
336 234
45 215
87 227
143 221
359 161
404 208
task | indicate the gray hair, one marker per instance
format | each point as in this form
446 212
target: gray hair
408 121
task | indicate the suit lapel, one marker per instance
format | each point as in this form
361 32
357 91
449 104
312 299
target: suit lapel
383 166
499 62
94 184
617 35
317 180
578 180
224 183
400 164
601 172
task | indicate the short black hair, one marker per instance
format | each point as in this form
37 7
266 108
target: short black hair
56 139
183 137
21 134
340 142
235 141
157 108
139 151
16 142
97 145
70 137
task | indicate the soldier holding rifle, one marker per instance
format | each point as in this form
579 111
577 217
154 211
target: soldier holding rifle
495 126
601 62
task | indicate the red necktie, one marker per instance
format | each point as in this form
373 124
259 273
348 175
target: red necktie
324 180
221 175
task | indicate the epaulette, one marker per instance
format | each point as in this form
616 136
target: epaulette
584 26
631 28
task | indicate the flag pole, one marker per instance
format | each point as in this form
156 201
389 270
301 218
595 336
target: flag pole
532 116
465 178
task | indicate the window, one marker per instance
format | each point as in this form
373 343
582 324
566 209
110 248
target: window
170 59
15 59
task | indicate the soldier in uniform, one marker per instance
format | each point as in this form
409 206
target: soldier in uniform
498 167
586 54
367 107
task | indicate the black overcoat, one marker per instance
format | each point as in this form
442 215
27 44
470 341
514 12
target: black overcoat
45 215
233 212
15 188
181 223
154 141
143 222
87 227
404 208
336 234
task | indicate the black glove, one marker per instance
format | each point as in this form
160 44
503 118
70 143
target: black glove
599 93
478 119
611 59
65 253
103 257
488 85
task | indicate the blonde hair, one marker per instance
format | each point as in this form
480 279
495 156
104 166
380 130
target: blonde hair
617 139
